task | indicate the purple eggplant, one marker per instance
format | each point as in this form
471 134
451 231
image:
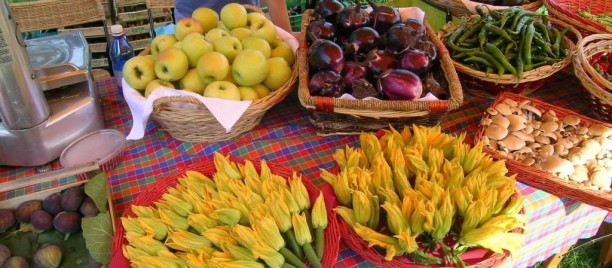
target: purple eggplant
416 25
398 84
326 83
320 29
383 17
352 71
400 38
363 40
351 18
328 9
325 55
415 61
378 61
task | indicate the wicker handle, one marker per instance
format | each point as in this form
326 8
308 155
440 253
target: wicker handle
589 44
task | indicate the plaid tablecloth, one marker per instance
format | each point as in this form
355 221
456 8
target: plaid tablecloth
286 137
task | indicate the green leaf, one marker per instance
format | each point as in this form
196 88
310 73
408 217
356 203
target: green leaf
96 188
98 234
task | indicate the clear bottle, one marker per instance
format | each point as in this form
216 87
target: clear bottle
120 52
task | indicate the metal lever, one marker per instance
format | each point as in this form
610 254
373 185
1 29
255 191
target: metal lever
49 176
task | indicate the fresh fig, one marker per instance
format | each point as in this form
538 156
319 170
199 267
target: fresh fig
23 213
53 203
72 198
415 61
67 222
400 38
88 208
328 9
5 254
49 256
16 262
42 220
398 84
378 61
352 71
326 83
363 40
351 18
320 29
429 48
325 55
361 89
383 17
7 219
416 25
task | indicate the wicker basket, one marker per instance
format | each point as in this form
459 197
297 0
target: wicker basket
479 82
459 9
541 179
155 192
599 90
187 119
341 116
566 10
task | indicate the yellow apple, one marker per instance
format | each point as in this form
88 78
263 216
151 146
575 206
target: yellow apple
262 90
192 82
240 33
250 68
207 17
178 44
221 26
155 84
172 64
229 46
229 77
261 27
215 34
222 90
212 66
150 56
161 43
279 73
257 44
194 47
234 15
139 71
276 41
247 93
284 51
186 26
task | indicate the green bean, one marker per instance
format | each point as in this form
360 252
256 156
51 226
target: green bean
498 31
498 55
471 30
545 46
519 27
517 16
508 48
480 11
555 44
500 68
497 42
543 29
460 55
451 40
478 60
482 37
528 40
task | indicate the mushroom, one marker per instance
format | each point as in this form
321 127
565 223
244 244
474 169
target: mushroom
496 132
549 126
551 135
549 116
581 174
535 145
601 178
606 144
491 111
485 121
503 108
532 110
523 103
485 140
600 130
542 140
517 122
512 143
582 130
524 151
546 150
500 120
590 147
559 148
571 120
510 102
558 166
528 161
528 128
522 135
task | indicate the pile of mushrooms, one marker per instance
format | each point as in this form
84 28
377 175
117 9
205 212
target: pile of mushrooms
570 149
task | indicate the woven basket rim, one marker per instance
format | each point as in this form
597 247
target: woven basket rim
541 179
594 82
458 9
567 12
387 109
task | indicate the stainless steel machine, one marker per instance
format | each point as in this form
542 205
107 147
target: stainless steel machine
46 106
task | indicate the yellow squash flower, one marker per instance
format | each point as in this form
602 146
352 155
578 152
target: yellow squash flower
268 232
300 227
186 241
299 192
269 255
319 213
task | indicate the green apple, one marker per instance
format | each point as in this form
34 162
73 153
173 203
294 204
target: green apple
222 90
186 26
279 73
161 43
284 51
172 64
178 44
229 46
212 66
195 45
207 17
262 90
240 33
139 71
257 44
192 82
247 93
155 84
234 15
250 68
215 34
261 27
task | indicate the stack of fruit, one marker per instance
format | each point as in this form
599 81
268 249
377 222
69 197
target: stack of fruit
239 57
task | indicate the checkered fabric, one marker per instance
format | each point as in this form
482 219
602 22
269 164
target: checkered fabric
286 137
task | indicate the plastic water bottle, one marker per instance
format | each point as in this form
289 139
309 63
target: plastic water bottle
120 52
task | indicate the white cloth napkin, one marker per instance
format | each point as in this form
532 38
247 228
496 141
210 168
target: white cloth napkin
427 97
227 112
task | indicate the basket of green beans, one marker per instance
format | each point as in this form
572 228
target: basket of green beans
509 50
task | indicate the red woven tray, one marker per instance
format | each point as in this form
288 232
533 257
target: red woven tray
566 10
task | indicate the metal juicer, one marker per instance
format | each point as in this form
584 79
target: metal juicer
47 95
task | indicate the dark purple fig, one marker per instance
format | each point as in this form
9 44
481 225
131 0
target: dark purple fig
352 71
361 89
415 61
326 83
328 9
88 208
24 211
430 49
398 84
351 18
72 198
363 40
42 220
416 25
400 38
7 219
325 55
48 256
320 29
16 262
383 17
67 222
378 61
5 253
53 203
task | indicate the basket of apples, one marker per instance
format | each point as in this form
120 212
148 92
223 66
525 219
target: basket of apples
365 70
214 78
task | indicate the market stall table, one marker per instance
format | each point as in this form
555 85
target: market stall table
285 136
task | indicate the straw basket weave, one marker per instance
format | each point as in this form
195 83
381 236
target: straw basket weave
187 119
566 10
159 188
541 179
598 88
341 116
532 80
458 8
